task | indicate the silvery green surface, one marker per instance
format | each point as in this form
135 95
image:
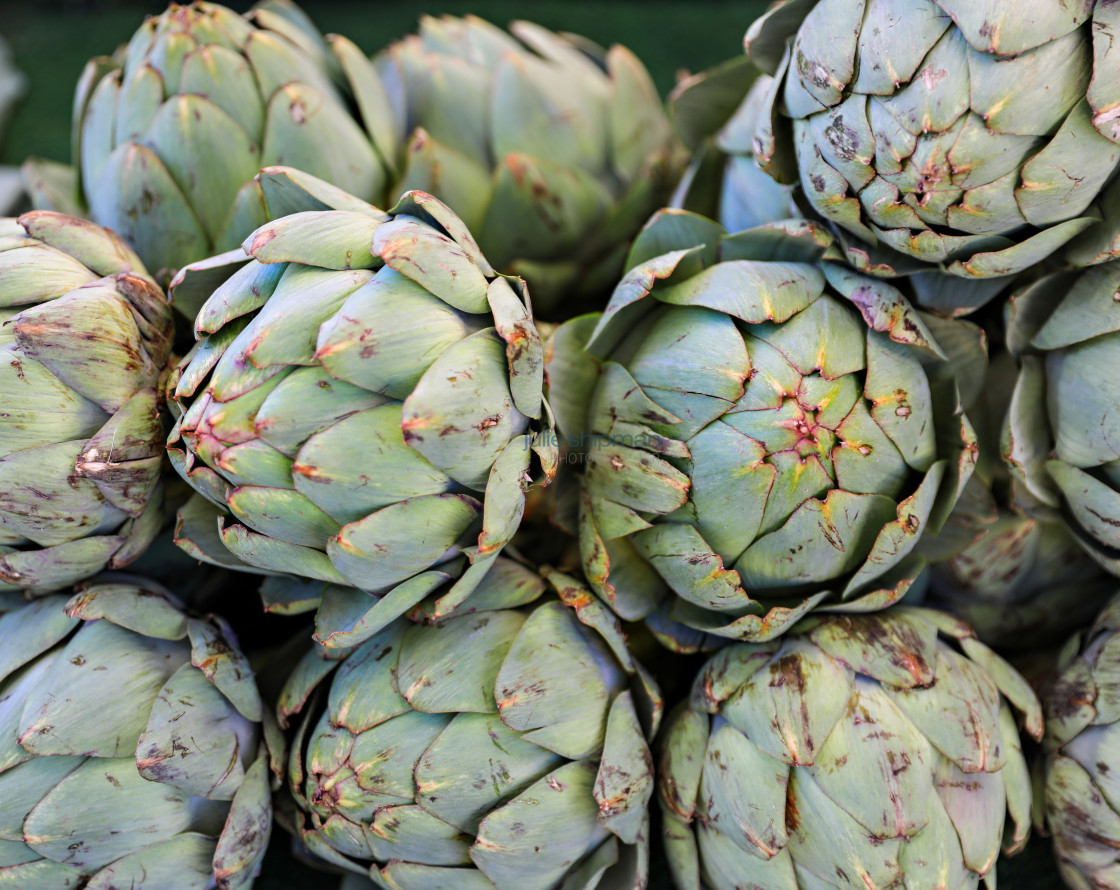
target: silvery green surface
363 406
169 132
1061 438
131 746
716 111
856 751
766 431
84 336
503 747
1082 805
981 137
552 149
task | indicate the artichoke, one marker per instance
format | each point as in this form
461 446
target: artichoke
980 137
716 111
767 432
131 739
503 747
1082 802
1021 582
1061 438
365 399
169 133
1005 562
858 751
552 150
84 338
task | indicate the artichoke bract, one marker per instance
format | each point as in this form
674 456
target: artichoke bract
767 432
1061 438
84 336
1082 801
169 133
131 746
553 150
716 112
982 137
365 398
504 747
858 751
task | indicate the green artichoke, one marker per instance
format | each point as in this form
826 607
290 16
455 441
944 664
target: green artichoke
131 746
503 747
856 752
552 150
716 112
85 335
1022 582
767 432
169 133
1082 800
978 136
365 399
1004 561
1062 434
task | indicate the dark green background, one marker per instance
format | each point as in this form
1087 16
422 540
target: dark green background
53 40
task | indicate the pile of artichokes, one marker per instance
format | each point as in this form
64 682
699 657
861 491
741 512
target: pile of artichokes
782 552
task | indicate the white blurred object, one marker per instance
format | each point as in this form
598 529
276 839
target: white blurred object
11 190
13 86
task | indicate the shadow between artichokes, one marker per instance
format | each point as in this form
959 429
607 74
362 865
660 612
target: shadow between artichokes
132 745
766 432
364 403
503 746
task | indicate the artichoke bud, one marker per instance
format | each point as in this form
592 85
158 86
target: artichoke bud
120 701
82 443
553 149
170 133
365 401
932 133
452 750
1080 790
1007 562
895 730
762 435
1059 437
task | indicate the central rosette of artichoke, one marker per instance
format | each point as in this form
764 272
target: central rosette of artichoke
809 437
796 441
